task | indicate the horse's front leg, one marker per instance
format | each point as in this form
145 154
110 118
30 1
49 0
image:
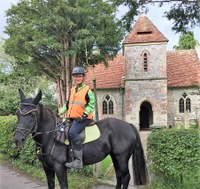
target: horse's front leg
50 174
61 173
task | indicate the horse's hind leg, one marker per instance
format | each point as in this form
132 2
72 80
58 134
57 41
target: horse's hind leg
122 171
50 174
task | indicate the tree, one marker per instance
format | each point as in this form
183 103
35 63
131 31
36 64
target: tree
13 77
51 36
184 13
186 41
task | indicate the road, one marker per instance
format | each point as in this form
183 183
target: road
11 179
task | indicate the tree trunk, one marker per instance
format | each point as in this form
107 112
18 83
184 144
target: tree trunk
64 84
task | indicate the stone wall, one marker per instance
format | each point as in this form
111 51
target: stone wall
174 116
117 98
150 86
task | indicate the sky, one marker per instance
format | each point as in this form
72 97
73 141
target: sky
155 14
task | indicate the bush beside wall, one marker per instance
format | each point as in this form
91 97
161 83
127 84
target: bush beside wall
174 158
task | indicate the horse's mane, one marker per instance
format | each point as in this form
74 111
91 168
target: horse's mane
44 111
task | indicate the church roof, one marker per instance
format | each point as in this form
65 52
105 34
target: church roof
183 66
144 31
107 77
183 70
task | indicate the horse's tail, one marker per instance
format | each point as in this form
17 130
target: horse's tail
138 162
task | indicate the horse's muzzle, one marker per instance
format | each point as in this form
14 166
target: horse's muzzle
18 139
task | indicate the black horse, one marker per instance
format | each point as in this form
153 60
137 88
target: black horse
118 139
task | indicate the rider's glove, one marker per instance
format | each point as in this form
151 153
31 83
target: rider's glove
82 118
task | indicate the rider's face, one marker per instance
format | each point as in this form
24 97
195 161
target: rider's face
78 79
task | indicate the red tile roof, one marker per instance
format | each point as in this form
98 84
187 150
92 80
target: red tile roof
183 68
144 31
107 77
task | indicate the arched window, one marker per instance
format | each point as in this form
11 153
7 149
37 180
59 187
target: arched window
181 105
188 104
145 62
105 107
184 104
108 107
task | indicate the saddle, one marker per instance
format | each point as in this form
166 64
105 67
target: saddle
89 134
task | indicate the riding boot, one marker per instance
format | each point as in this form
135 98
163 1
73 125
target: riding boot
77 152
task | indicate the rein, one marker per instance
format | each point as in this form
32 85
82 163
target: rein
33 130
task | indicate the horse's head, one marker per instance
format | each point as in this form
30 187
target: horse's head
27 115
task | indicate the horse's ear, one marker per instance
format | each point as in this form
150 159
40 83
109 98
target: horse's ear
21 95
37 98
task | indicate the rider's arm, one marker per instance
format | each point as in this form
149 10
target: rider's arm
63 109
90 102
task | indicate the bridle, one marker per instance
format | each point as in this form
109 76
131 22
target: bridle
33 129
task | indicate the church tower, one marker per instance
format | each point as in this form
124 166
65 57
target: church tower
145 75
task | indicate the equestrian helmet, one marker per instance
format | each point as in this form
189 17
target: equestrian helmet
78 70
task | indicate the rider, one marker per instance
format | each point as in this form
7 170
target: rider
80 108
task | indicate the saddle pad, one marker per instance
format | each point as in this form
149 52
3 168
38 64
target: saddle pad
91 133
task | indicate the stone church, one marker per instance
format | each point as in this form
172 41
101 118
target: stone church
147 85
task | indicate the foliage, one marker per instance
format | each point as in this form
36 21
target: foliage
186 41
7 129
52 36
13 77
184 13
174 158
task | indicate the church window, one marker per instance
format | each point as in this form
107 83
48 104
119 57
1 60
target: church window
145 61
181 105
108 107
184 104
105 107
188 104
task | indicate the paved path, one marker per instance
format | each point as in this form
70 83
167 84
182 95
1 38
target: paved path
11 179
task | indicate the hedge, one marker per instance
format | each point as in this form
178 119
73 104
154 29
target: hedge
27 153
174 158
7 130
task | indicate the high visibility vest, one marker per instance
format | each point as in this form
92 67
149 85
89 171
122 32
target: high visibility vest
77 103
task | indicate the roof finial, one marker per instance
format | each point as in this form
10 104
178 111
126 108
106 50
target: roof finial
144 10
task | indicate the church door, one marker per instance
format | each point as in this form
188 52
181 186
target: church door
146 116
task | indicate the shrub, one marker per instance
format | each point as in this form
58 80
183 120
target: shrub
174 158
7 130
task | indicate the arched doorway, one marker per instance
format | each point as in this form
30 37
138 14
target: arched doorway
146 116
